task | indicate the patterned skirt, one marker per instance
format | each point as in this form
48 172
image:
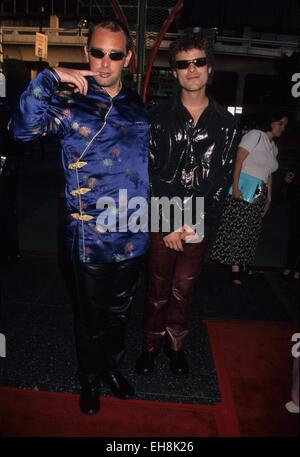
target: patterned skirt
239 230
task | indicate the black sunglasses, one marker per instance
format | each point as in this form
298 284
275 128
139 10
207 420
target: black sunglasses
184 64
113 55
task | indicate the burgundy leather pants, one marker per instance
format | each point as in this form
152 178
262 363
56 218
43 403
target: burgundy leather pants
172 276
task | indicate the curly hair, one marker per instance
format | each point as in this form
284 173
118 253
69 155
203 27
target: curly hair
191 41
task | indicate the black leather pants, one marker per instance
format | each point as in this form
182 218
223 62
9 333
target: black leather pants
104 298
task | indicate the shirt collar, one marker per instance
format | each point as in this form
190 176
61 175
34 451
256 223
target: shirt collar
186 114
97 88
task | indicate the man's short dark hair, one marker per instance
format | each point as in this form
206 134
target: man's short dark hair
114 25
188 42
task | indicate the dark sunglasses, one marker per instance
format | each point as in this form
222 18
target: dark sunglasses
113 55
184 64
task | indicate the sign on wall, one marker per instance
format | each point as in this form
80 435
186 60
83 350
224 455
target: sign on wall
41 45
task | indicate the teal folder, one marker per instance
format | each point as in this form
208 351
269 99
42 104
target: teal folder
248 185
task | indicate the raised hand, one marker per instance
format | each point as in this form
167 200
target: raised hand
75 78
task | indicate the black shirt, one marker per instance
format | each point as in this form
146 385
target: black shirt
188 160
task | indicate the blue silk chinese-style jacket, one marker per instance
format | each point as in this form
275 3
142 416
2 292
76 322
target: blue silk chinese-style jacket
104 144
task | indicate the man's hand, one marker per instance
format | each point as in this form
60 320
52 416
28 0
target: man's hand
75 78
174 239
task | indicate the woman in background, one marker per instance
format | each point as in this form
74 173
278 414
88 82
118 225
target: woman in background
240 227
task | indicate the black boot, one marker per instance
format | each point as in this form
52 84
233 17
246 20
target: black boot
119 385
146 362
178 362
89 400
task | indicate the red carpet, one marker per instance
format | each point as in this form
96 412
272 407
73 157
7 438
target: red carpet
27 413
253 363
258 362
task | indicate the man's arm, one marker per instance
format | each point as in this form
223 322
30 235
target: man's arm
36 114
229 158
173 239
221 181
153 148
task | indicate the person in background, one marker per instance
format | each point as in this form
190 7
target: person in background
103 131
241 222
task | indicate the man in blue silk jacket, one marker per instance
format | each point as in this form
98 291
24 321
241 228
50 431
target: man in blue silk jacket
103 134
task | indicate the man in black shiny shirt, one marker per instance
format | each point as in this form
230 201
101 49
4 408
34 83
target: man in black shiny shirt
193 141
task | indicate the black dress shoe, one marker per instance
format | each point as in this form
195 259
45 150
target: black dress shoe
120 387
178 362
145 363
89 400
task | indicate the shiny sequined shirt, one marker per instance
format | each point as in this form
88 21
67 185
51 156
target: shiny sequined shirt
188 160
